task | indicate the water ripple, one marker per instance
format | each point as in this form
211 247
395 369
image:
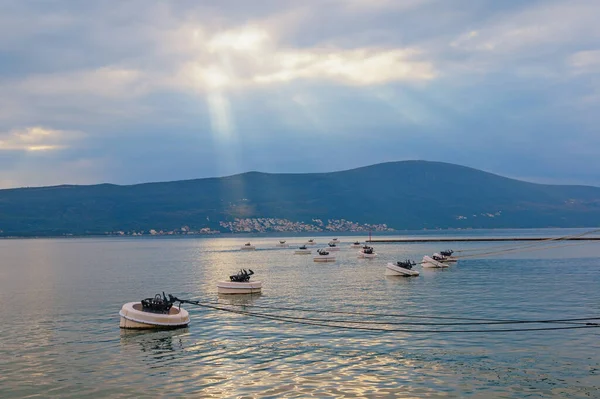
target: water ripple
65 341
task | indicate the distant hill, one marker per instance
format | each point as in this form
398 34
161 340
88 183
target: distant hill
404 195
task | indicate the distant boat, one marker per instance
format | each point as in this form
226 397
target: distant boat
356 244
248 247
311 242
401 269
282 244
334 241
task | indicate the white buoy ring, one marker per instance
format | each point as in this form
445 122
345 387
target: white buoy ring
432 263
324 258
303 252
395 270
132 316
361 254
234 287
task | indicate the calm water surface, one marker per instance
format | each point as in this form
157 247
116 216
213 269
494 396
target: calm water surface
60 333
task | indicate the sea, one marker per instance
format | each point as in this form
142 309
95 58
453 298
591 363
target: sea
446 337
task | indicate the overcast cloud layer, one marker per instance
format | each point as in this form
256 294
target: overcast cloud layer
144 90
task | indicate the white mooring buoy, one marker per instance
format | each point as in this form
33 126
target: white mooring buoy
240 284
153 313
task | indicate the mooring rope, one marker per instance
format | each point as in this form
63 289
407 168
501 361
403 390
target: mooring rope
537 243
344 324
376 314
348 324
524 249
408 316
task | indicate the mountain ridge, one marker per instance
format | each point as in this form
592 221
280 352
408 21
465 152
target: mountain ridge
403 195
68 185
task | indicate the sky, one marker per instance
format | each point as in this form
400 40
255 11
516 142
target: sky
130 91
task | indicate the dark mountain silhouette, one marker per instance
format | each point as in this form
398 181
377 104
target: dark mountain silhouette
405 195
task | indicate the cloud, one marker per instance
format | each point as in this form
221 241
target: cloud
195 86
585 61
534 41
104 81
36 139
250 57
362 67
188 58
356 67
244 57
535 28
244 40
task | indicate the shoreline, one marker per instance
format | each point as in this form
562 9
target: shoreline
398 236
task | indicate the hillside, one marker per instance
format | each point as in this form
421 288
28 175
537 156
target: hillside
403 195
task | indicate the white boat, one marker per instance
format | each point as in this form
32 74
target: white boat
334 241
303 250
367 253
248 247
432 263
401 269
153 313
311 242
332 247
324 256
356 245
282 244
239 284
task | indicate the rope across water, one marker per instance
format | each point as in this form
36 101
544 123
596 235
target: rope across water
575 323
496 250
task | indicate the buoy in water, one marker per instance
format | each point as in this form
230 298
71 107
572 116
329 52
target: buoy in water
401 269
324 256
367 253
232 287
240 284
153 313
443 258
303 250
431 263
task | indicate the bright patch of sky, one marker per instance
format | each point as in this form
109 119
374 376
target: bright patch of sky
148 90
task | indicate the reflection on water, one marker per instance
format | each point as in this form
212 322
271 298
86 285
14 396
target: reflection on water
240 299
65 341
154 340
